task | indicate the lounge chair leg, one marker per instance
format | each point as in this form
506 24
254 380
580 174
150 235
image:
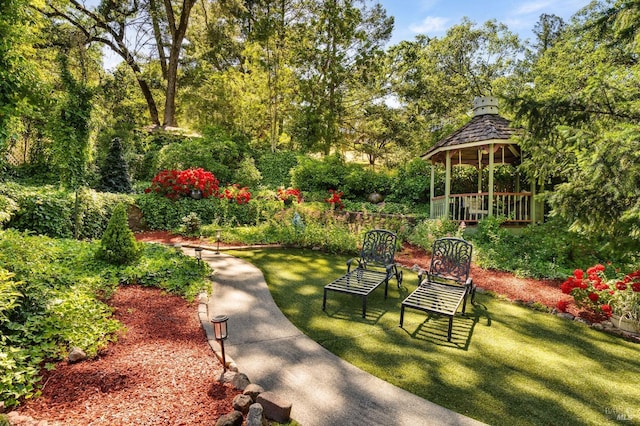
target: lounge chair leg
450 327
324 299
401 315
364 307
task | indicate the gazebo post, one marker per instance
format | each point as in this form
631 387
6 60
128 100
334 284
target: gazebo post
491 158
479 170
432 192
447 184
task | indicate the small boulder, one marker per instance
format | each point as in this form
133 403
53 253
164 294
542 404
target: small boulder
242 403
240 381
76 355
275 407
232 419
253 390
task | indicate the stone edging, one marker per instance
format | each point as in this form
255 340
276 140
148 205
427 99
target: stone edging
254 402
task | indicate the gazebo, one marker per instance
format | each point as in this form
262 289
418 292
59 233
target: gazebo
483 142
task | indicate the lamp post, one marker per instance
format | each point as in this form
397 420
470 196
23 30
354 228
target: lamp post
218 237
220 333
198 253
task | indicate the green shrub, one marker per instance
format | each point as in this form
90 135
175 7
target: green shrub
53 292
546 250
413 182
49 211
275 168
426 232
118 244
162 213
192 224
7 208
361 181
319 175
247 173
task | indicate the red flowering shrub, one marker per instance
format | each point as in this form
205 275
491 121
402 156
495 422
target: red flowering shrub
562 305
176 183
601 294
234 192
290 194
335 199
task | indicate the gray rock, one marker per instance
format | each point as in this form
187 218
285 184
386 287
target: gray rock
256 416
566 315
242 403
76 355
253 391
231 419
275 407
375 198
240 381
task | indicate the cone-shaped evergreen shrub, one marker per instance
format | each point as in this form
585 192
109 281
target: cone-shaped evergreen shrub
115 171
118 245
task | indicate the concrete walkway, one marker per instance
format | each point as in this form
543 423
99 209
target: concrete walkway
324 389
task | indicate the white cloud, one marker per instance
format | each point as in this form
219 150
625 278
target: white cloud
532 7
431 24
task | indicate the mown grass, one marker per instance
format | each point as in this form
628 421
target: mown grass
506 363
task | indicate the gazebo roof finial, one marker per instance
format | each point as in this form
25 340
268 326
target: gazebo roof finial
485 105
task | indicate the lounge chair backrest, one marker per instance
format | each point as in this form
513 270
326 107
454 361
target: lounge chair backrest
451 259
378 247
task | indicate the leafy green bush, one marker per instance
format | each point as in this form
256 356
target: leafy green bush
49 211
413 182
547 250
275 168
426 232
7 208
118 244
51 299
191 223
247 173
162 213
361 181
319 175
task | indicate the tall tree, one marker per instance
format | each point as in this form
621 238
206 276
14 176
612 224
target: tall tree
436 79
581 115
123 26
336 40
16 68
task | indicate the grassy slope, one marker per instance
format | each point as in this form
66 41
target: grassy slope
506 364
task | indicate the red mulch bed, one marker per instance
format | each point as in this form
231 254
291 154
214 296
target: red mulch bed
162 371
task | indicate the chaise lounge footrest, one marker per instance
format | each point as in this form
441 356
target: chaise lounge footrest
359 282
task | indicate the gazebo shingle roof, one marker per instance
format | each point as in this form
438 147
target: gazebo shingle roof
484 127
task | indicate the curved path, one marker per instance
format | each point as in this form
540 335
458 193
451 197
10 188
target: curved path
323 388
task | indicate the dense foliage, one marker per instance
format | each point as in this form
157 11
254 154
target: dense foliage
52 298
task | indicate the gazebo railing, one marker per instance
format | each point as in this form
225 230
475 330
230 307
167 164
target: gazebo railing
515 206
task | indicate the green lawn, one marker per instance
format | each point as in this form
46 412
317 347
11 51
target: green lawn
506 364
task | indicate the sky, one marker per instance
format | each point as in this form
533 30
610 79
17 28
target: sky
434 17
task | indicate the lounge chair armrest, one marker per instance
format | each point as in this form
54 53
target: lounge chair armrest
469 283
350 262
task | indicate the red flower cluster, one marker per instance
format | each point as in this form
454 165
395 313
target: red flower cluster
234 192
592 290
176 183
335 199
289 194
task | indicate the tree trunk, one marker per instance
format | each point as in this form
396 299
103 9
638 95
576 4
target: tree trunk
177 35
